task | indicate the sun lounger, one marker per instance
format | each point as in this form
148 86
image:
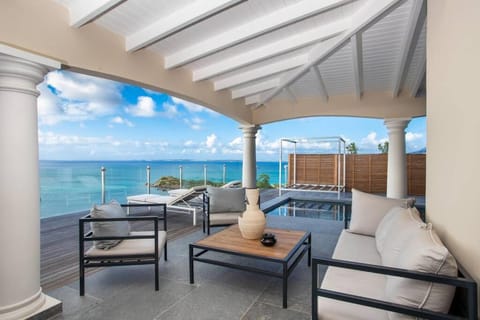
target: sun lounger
231 184
184 201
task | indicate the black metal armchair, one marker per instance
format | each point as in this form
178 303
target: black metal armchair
135 248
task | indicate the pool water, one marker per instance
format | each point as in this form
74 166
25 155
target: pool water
313 209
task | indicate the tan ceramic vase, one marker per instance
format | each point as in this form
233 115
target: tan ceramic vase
252 222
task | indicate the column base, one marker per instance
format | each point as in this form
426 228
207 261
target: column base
38 307
50 308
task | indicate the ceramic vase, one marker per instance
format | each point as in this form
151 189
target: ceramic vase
252 222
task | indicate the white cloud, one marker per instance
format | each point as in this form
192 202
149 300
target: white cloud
236 142
67 96
189 143
369 144
144 108
121 121
170 110
412 136
194 123
211 140
192 107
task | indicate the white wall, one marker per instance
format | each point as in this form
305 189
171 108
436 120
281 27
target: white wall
453 127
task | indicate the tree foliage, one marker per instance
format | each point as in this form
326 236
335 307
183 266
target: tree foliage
352 148
263 181
383 148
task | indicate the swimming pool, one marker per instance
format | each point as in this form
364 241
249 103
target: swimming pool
313 209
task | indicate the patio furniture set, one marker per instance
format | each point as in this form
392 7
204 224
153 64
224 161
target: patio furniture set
388 264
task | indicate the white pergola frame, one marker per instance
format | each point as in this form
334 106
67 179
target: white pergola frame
341 168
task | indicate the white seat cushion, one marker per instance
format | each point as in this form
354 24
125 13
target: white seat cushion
220 218
132 247
358 248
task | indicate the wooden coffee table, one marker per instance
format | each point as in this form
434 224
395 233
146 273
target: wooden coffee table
291 246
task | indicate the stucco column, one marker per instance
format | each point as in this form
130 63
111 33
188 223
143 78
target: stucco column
397 159
20 292
249 168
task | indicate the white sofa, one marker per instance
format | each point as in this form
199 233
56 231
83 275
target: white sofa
385 237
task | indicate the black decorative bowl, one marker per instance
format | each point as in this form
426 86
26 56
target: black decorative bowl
268 239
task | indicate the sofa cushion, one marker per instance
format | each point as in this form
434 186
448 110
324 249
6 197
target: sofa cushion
394 230
368 210
422 252
108 228
226 199
358 248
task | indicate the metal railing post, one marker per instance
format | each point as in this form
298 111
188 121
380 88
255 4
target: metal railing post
224 173
204 174
180 175
102 170
148 179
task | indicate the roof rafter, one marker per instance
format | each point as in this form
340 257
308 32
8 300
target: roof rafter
369 13
82 12
260 72
272 49
356 41
419 75
256 88
255 28
321 84
415 23
176 21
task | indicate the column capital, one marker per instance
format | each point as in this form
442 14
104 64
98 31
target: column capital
250 130
22 71
394 124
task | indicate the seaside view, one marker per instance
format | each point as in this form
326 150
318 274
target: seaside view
83 120
72 186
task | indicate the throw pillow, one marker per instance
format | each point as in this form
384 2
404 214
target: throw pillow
369 209
226 199
108 228
423 252
395 230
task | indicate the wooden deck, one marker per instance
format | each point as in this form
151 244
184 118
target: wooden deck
59 242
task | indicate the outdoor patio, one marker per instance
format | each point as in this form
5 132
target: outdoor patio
218 293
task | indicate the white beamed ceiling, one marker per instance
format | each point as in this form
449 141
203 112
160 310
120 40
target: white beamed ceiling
255 48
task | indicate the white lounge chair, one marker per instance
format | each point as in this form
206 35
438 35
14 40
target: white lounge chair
231 184
183 201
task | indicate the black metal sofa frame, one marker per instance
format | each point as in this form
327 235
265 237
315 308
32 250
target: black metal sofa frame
121 260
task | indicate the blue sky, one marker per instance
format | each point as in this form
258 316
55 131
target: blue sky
88 118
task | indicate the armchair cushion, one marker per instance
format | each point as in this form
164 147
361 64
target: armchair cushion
226 199
369 209
132 247
108 228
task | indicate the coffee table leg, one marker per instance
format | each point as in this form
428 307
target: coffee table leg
190 258
285 282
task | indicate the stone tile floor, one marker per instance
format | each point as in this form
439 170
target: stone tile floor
218 292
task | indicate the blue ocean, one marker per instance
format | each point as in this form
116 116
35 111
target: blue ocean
73 186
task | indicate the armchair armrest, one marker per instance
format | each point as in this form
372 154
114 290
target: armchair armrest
468 284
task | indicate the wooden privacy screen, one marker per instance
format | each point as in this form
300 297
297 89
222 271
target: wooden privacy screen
366 172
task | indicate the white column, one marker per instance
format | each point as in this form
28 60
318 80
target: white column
249 169
20 292
397 159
